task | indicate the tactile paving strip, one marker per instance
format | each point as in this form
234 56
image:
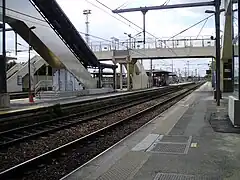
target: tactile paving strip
169 148
171 145
125 167
173 176
175 139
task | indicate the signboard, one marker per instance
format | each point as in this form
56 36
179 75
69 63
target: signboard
19 80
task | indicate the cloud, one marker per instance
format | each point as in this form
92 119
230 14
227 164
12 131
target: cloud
164 23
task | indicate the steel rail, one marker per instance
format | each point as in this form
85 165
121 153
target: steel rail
17 135
44 158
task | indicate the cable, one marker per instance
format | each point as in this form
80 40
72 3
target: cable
124 4
128 20
49 27
110 14
198 35
119 14
202 28
166 2
139 26
190 27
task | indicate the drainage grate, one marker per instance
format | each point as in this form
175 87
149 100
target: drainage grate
175 139
173 176
169 148
171 145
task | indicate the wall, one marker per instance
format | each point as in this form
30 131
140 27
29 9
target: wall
63 80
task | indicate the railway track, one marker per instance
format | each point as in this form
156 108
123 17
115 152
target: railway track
44 114
55 163
16 135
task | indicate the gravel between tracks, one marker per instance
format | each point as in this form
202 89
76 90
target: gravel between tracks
80 154
28 150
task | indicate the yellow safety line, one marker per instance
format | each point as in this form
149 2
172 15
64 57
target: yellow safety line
18 110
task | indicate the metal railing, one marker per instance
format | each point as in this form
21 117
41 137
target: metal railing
180 42
42 85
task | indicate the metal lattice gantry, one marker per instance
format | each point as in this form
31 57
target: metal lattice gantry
217 12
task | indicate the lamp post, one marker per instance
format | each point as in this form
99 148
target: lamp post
30 96
130 37
217 27
87 12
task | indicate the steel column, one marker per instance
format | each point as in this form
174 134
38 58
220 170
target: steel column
217 26
238 49
100 76
212 71
233 60
29 67
144 28
128 77
121 76
114 78
141 72
151 74
3 79
16 43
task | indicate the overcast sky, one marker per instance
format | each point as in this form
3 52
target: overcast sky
162 23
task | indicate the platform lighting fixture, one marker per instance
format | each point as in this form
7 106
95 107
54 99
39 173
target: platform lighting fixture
86 12
217 39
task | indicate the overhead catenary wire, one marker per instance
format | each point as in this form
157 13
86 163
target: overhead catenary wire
202 28
138 25
154 35
123 5
45 25
134 23
167 1
110 14
190 27
199 34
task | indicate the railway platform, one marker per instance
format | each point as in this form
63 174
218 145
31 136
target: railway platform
194 139
23 105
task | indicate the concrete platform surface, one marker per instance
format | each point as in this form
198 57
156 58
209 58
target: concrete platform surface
189 141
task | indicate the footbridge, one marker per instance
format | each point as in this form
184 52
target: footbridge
44 25
164 48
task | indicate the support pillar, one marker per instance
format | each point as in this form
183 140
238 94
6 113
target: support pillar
121 76
4 96
233 66
141 74
128 77
144 27
217 26
238 51
114 79
47 72
151 74
100 77
212 71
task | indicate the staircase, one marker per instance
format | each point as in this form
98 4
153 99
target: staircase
13 70
14 82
